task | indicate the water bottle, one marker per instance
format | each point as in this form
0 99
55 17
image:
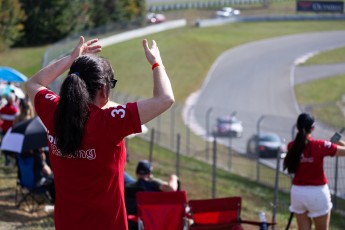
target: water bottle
263 220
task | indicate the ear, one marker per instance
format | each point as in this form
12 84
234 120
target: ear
104 91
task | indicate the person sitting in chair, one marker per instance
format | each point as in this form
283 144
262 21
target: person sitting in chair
43 174
149 183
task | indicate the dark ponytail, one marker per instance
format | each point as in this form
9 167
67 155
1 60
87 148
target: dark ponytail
87 75
305 124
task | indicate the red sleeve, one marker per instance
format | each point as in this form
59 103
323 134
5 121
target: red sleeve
326 148
124 119
45 104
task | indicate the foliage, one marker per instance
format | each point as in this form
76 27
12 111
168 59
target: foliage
48 21
117 11
11 22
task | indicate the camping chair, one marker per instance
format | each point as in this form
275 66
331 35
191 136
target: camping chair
31 193
162 210
218 214
131 203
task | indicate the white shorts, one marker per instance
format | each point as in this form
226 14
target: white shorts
315 200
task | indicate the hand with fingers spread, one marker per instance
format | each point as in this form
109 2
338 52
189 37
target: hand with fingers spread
163 96
152 54
88 47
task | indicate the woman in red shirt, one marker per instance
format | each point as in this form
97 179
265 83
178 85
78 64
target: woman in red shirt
86 140
310 195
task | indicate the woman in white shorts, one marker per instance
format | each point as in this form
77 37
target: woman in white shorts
310 195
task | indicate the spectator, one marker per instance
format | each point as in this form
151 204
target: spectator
86 143
26 109
128 179
8 115
310 195
42 171
146 179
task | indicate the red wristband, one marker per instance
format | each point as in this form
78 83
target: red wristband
155 65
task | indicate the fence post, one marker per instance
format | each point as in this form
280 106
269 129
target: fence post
172 126
151 144
257 149
127 149
158 119
276 189
189 113
230 153
214 168
178 155
336 172
336 182
207 123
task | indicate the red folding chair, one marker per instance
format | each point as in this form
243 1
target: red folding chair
218 214
162 210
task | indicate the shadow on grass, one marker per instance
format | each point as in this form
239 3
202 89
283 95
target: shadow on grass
14 217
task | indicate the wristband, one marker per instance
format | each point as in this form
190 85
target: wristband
155 65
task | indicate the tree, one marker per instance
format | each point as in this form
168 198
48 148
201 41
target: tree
11 22
129 10
49 21
113 11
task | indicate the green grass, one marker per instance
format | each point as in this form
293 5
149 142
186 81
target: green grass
328 57
325 96
25 60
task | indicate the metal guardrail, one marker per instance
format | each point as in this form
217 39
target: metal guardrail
201 4
221 21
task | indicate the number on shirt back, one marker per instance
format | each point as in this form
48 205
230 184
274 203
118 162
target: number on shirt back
119 110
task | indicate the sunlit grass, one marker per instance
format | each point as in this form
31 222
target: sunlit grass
328 57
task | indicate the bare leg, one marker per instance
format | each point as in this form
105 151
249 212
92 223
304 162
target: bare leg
303 221
322 222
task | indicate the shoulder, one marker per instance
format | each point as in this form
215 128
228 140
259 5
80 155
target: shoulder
324 147
46 94
121 111
320 143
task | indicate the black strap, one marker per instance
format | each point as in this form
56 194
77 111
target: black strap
290 219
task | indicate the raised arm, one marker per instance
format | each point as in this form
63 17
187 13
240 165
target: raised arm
340 148
163 96
49 73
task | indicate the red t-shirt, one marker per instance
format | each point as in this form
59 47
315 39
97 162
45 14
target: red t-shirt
8 114
310 170
90 187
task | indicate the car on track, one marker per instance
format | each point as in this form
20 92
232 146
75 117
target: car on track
266 145
226 12
154 18
229 126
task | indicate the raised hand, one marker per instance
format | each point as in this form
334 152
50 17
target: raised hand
88 47
152 54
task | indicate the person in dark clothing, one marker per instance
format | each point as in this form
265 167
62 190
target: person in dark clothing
146 179
43 174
